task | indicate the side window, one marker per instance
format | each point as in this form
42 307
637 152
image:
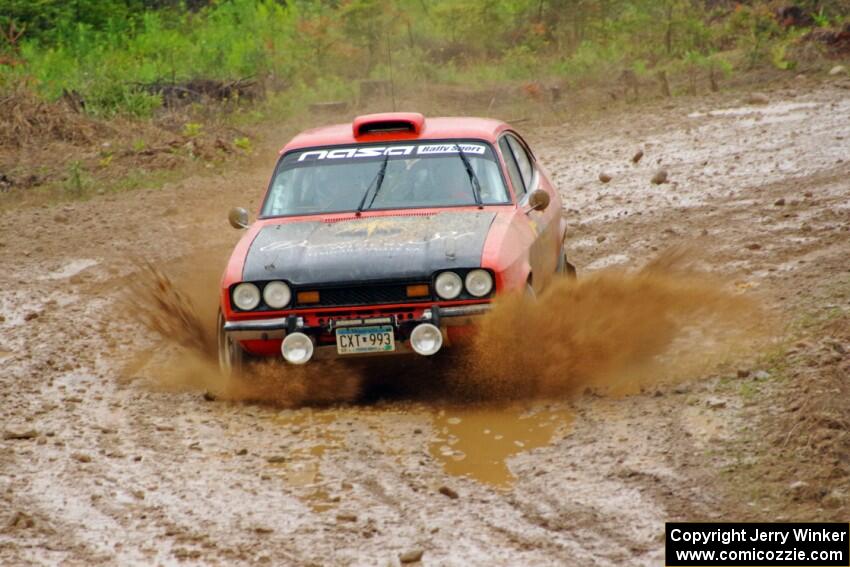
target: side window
524 162
513 169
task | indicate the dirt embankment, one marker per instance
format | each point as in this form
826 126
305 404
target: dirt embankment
99 467
54 151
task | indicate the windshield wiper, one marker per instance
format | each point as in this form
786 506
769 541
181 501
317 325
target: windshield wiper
473 179
379 179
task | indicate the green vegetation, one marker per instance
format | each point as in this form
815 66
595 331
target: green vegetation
77 180
109 53
161 87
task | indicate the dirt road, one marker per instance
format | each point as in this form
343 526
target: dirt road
99 467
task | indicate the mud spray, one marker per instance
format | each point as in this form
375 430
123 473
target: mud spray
613 332
182 310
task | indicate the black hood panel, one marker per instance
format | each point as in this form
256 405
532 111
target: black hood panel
408 247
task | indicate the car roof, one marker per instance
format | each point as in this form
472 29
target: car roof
367 129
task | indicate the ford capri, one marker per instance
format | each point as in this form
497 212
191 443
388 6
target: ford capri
388 235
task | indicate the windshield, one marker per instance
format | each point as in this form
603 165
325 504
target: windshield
390 176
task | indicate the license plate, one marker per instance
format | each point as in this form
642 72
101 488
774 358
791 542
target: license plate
357 340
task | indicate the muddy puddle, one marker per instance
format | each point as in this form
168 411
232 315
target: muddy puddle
477 442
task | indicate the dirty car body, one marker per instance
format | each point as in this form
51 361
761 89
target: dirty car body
388 236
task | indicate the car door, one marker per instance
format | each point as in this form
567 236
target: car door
527 177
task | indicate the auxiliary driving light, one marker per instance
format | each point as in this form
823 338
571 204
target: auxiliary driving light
426 339
297 348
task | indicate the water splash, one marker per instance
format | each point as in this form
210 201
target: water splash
612 331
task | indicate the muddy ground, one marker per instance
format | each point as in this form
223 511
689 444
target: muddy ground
99 464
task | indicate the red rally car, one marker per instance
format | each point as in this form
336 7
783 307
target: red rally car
388 235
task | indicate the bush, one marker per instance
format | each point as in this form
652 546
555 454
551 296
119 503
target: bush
107 50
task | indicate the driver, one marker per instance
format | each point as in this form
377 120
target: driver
440 181
325 192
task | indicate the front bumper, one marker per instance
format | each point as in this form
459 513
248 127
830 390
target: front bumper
276 329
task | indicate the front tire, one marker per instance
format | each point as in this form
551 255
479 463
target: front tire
231 355
564 267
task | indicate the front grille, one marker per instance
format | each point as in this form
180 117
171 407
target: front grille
375 294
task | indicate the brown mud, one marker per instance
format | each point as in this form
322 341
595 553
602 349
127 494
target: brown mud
612 331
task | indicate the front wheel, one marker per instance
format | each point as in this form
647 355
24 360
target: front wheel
231 355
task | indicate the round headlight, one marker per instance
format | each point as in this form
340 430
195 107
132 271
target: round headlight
276 295
479 283
297 348
246 296
426 339
448 285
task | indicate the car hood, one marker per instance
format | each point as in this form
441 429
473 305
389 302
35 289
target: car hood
411 246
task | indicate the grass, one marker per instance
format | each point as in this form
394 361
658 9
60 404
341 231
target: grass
318 51
77 181
748 391
143 178
495 58
82 186
837 291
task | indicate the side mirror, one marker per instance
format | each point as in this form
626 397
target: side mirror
238 217
538 200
